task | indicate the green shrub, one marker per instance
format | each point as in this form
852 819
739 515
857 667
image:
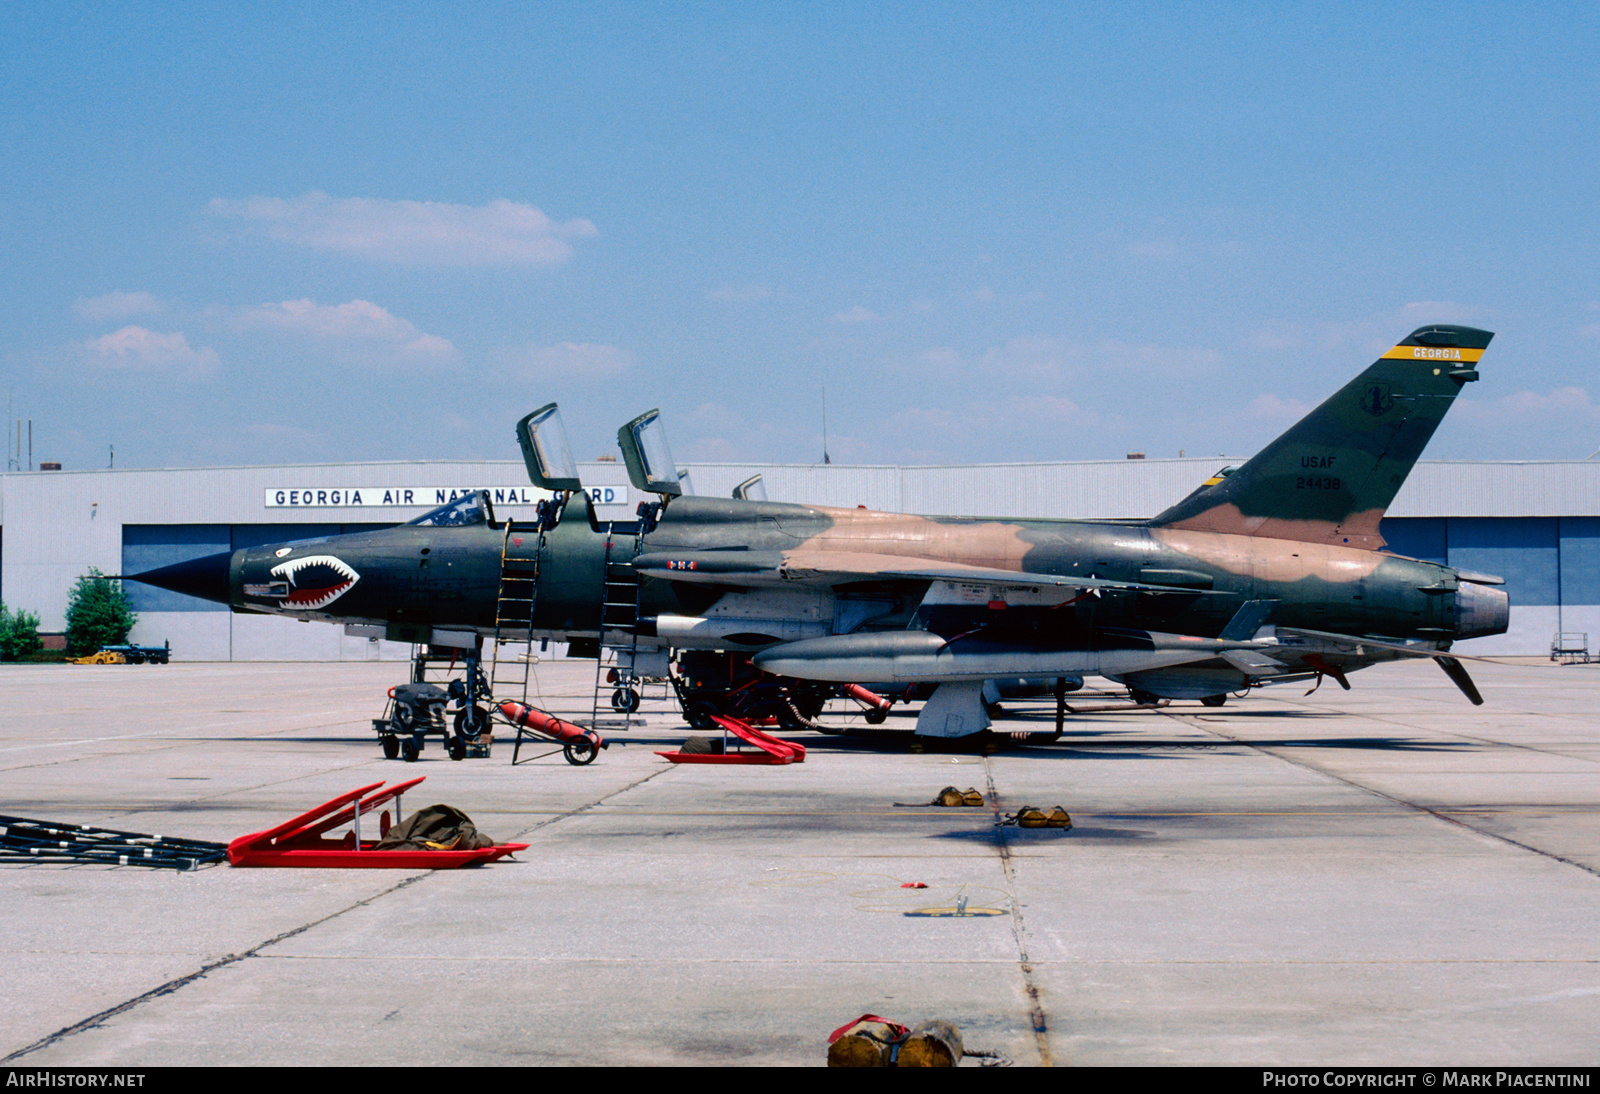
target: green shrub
19 634
98 614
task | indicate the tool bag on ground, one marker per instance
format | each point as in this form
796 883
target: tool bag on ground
436 828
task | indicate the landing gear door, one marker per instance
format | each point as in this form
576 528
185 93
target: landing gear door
649 460
545 451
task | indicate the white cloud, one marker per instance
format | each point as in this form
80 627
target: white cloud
1191 240
856 314
567 360
1029 357
1565 403
116 305
1560 412
353 323
1271 408
939 358
422 233
429 349
141 350
1563 422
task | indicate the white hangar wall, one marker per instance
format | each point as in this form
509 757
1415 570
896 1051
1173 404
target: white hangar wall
55 525
1536 523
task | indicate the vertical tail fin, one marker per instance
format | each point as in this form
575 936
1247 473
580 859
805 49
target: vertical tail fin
1330 478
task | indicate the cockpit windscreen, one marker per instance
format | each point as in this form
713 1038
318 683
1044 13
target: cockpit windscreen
473 508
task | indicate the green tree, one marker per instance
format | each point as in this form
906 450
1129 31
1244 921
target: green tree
19 634
98 614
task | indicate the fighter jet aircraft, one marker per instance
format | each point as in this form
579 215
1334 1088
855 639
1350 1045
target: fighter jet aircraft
1274 571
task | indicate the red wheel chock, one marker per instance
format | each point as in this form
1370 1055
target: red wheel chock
772 749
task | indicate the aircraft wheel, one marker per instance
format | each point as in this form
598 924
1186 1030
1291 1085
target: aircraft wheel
391 747
471 722
1142 697
876 716
1213 700
580 752
699 713
409 750
624 700
457 748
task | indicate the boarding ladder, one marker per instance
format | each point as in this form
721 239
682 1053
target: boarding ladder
511 660
619 634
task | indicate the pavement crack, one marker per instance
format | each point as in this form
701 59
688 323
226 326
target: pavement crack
1019 931
1427 810
584 808
94 1021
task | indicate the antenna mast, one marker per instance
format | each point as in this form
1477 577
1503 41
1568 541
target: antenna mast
825 457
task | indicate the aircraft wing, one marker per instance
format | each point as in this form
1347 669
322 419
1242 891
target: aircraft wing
829 568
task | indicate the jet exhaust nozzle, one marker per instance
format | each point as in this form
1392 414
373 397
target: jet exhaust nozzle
1481 610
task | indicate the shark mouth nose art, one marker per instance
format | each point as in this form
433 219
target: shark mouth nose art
314 581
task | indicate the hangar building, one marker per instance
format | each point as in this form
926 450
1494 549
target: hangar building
1537 524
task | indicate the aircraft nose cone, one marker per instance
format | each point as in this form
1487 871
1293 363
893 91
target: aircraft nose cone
206 578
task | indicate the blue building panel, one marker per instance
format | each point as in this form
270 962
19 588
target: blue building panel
1426 538
1523 550
1580 560
151 546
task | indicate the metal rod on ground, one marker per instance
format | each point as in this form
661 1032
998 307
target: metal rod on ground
27 840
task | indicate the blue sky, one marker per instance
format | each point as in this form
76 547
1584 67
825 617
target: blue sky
994 232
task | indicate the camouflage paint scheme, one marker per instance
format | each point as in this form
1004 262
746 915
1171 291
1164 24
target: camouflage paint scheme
1271 572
